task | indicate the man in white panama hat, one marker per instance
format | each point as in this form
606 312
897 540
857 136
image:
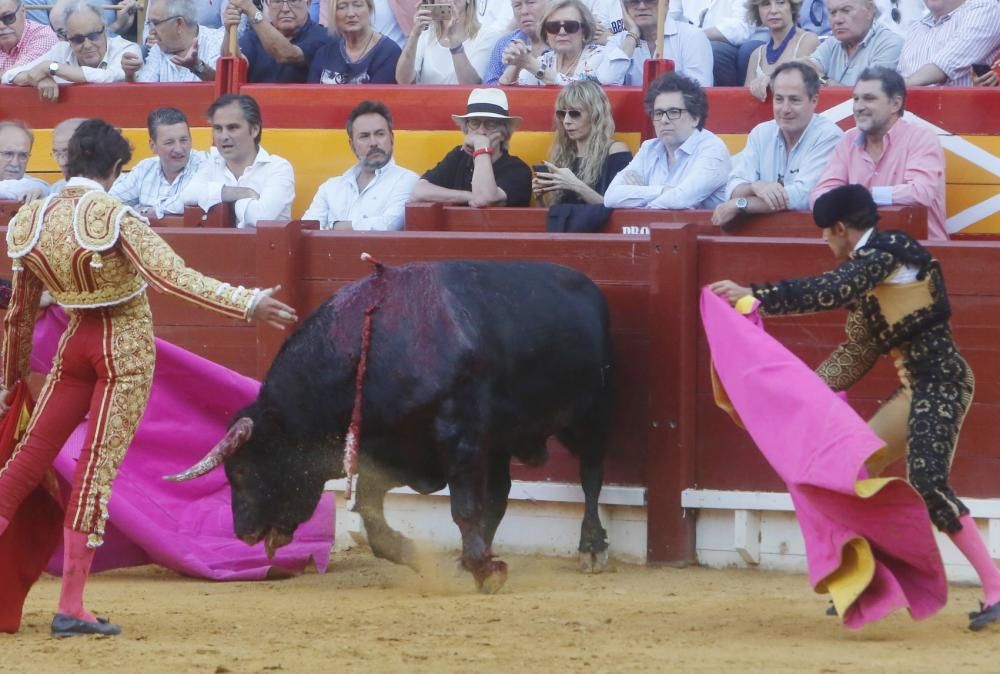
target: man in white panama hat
479 172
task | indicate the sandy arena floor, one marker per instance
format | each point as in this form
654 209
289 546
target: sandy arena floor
367 615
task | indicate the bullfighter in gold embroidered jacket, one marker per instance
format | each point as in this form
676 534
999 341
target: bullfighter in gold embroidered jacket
96 258
897 305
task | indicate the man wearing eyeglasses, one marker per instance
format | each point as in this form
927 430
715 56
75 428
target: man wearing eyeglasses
783 158
480 172
685 166
183 50
16 141
282 41
21 41
88 56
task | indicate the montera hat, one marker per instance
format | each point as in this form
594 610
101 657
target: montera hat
487 103
850 204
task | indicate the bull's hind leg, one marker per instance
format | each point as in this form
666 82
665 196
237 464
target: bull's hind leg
587 441
385 542
497 492
467 484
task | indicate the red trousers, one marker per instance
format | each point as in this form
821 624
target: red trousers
103 369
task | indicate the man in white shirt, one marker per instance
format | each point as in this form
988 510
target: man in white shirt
88 55
783 158
184 51
688 47
685 166
259 185
372 194
61 134
154 185
16 141
725 25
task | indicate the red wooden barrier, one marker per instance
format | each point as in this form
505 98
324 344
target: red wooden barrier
8 209
441 218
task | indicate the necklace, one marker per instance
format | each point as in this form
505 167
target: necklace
364 49
773 54
567 70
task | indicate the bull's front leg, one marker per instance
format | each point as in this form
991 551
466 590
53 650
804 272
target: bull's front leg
385 542
467 477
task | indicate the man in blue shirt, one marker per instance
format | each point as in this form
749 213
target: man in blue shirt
282 39
783 158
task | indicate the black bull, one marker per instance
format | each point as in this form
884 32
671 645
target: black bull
470 364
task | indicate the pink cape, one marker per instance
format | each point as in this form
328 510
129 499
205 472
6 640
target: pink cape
869 542
188 526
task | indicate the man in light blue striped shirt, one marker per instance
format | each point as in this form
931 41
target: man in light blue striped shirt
153 187
784 158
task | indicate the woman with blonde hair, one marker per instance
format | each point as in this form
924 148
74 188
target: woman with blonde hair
788 42
568 28
357 54
584 157
449 48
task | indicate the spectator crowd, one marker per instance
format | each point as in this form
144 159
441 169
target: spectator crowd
785 50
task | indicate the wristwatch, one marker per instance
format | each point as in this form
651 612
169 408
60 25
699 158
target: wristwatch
540 73
54 68
200 67
258 16
742 203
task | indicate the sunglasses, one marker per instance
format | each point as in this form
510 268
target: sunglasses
553 27
9 18
573 114
80 39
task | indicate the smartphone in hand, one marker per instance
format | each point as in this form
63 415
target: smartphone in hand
440 12
980 69
540 168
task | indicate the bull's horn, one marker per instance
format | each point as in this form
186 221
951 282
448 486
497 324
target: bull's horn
238 434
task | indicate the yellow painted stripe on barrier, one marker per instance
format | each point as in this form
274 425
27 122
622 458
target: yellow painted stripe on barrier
319 154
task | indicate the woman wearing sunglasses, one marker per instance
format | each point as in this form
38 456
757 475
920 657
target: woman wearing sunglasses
568 29
585 157
454 50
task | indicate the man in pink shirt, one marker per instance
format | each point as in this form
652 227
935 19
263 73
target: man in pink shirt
901 162
21 41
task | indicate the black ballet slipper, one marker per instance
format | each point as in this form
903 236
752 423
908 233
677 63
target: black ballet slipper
68 626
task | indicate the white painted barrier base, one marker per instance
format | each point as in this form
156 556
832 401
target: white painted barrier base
542 518
738 528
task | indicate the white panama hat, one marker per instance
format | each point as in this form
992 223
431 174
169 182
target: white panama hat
491 103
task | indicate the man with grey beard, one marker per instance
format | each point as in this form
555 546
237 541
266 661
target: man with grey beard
372 194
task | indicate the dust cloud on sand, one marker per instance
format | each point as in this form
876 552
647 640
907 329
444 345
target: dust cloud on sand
367 615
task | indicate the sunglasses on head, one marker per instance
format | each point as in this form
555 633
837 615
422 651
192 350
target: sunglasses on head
80 39
9 18
553 27
573 114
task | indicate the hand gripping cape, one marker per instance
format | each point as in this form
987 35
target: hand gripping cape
869 542
185 527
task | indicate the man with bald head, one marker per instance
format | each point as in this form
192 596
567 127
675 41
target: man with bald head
16 141
90 54
61 134
21 41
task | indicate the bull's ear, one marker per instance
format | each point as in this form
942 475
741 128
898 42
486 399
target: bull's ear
238 434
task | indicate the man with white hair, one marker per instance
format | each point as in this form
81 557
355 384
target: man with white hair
480 172
88 55
183 51
16 141
859 42
21 40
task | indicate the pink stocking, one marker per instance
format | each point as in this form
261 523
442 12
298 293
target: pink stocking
4 523
972 546
77 558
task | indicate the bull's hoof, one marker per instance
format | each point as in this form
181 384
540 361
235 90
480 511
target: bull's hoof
491 576
594 562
